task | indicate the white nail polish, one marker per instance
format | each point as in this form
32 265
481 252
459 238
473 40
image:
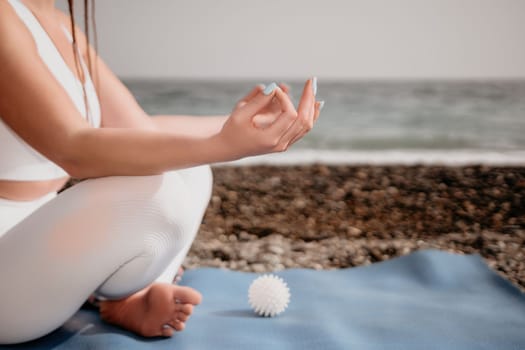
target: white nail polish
269 89
321 105
314 85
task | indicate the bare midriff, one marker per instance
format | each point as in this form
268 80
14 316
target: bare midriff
29 190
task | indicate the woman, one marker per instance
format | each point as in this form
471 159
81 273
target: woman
121 234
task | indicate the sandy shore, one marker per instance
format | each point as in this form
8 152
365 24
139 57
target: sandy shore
264 218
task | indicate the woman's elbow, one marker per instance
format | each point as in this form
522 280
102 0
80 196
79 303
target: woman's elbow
74 161
72 165
75 158
75 169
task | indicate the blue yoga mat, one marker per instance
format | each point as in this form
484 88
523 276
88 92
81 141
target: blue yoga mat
427 300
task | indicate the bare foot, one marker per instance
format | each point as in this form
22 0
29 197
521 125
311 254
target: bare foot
158 310
93 302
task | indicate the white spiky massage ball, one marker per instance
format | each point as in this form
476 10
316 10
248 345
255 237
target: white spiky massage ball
268 295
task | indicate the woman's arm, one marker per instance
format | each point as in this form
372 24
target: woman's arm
38 109
156 151
197 126
35 106
206 125
121 151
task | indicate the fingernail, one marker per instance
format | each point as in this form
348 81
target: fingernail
321 105
262 86
269 89
314 85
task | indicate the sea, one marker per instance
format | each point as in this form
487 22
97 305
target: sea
375 122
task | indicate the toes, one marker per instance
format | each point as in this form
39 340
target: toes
185 308
182 317
187 295
168 331
177 325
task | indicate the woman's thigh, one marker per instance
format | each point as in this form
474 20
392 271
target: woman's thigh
80 240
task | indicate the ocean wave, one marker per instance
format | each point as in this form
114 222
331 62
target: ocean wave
387 157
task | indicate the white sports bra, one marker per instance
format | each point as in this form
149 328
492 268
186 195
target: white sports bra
18 160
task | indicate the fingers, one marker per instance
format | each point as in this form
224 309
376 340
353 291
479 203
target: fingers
257 89
260 88
287 117
285 88
307 102
285 102
294 126
269 122
315 115
318 106
263 121
259 101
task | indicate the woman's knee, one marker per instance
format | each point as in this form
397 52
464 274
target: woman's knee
182 199
172 203
199 181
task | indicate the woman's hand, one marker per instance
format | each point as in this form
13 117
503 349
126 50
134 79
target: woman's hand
241 137
267 114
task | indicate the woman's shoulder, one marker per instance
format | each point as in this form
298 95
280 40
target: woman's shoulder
6 9
8 15
14 35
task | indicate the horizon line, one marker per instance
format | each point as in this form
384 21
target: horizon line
327 79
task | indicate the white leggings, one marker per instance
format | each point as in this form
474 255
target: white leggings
111 236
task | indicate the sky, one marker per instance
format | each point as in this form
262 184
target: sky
295 39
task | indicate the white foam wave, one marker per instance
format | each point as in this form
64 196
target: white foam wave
388 157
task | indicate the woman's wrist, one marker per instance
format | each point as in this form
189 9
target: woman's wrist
220 149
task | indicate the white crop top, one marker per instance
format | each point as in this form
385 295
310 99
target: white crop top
18 160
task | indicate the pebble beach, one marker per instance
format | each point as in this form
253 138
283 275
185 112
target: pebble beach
267 218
